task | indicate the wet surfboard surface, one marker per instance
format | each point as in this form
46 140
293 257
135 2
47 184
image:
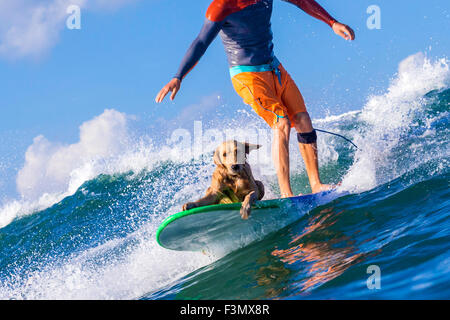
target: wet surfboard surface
221 228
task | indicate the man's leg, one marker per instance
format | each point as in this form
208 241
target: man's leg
295 104
302 123
280 155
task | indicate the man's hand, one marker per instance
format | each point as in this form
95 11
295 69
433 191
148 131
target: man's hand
173 86
344 31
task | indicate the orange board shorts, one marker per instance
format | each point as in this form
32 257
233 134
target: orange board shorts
270 99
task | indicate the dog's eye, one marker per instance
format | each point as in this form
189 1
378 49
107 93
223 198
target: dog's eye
224 155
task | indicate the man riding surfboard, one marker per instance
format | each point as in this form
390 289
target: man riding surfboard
259 78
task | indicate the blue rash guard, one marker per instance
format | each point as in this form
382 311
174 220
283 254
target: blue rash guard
245 29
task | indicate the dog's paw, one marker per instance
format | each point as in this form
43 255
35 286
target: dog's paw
245 211
189 206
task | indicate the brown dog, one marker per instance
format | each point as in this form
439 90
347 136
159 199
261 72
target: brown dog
232 181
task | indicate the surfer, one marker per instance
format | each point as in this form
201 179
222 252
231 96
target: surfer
259 78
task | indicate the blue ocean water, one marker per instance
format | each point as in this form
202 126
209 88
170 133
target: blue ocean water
98 240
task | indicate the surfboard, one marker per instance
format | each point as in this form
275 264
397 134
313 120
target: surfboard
220 228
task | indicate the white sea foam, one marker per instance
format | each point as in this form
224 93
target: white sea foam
387 116
93 275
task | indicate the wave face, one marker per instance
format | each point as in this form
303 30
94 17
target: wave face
93 235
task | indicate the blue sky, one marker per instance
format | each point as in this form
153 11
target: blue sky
128 49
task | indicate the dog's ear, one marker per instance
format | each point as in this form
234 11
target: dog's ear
250 146
217 159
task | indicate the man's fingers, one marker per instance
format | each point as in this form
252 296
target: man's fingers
342 34
349 31
352 33
346 35
162 94
174 93
173 86
157 97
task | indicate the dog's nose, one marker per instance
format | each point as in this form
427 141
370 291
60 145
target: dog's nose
235 167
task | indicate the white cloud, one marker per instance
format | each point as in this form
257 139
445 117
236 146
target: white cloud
50 167
29 28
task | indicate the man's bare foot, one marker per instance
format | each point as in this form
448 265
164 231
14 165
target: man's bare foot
322 187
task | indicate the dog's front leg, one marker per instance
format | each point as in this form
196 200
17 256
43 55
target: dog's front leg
210 198
249 200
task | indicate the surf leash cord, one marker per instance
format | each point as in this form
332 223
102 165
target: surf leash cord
338 135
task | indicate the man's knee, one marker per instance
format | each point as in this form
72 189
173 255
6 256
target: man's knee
283 124
282 131
302 122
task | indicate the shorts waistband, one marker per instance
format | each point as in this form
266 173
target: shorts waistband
273 66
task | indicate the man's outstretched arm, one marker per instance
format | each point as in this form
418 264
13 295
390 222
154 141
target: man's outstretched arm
314 9
198 47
